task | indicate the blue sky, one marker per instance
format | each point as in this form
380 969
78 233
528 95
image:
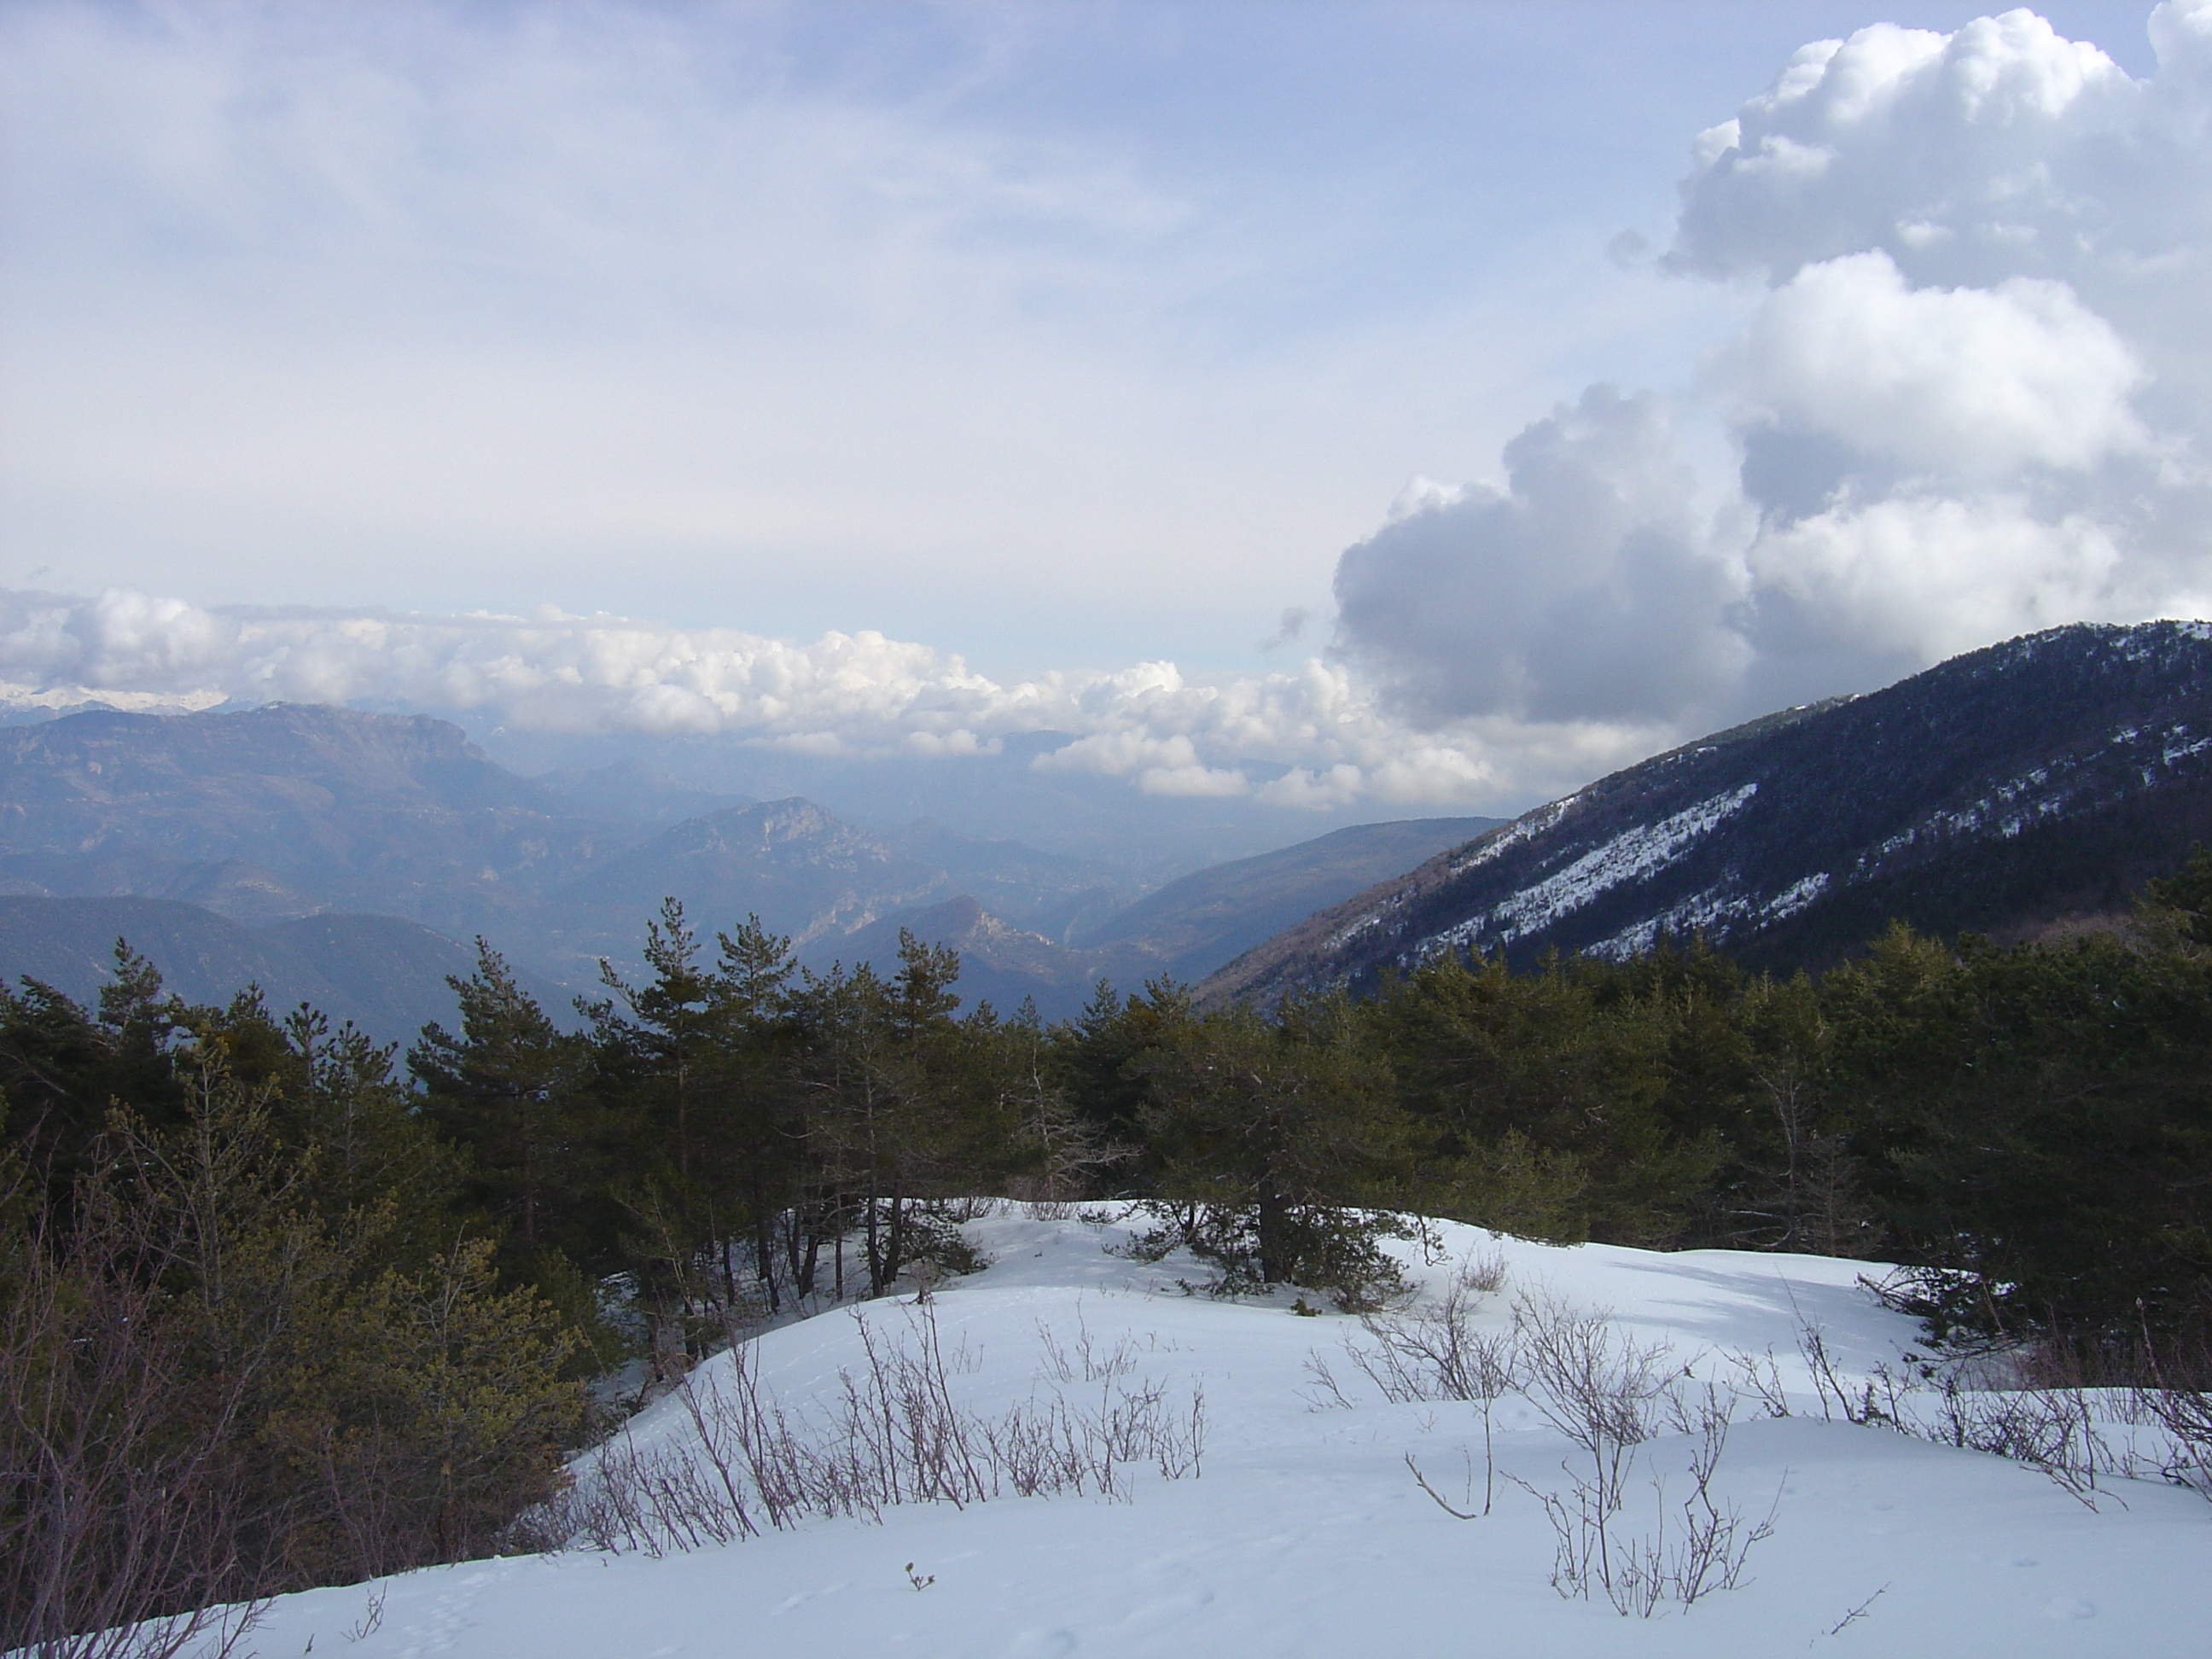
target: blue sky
1060 337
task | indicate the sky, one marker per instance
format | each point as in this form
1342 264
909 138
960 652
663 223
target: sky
1385 407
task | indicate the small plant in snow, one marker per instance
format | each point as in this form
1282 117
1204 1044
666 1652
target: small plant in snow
1608 1396
891 1434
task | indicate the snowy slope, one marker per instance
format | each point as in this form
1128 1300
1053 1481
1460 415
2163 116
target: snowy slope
1304 1533
1996 792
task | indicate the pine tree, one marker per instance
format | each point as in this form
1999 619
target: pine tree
1267 1137
505 1089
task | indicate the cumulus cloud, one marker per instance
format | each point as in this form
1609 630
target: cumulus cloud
1976 382
1921 578
1586 589
1312 737
1972 156
1969 400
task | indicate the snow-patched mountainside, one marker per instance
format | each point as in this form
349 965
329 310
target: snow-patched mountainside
1303 1532
2003 790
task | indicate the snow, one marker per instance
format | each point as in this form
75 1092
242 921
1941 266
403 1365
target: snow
2019 803
1305 1535
1713 912
1526 827
1630 856
2180 746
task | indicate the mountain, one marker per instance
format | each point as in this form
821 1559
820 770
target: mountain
1184 931
999 963
387 975
631 792
292 810
1010 790
1195 924
802 871
1999 792
1050 893
283 810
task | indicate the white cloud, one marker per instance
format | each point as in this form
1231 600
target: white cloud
1337 785
1970 157
1322 737
1969 396
728 312
1971 381
1211 782
1589 588
1927 577
1971 400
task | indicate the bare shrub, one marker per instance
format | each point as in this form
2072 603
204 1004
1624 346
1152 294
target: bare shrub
1483 1273
118 1505
1085 1362
1876 1398
1435 1352
1712 1542
2172 1388
372 1616
1979 1402
1608 1396
892 1433
1601 1390
2051 1428
1757 1376
2186 1416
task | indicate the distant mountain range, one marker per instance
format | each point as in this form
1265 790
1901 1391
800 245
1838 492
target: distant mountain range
1196 923
1181 932
262 822
284 810
1001 793
2000 792
387 975
290 811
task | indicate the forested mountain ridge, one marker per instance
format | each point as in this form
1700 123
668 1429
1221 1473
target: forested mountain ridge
1204 918
1997 791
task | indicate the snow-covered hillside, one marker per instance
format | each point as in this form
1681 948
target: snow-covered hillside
1996 793
1303 1531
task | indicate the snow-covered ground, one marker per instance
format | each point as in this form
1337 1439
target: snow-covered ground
1304 1533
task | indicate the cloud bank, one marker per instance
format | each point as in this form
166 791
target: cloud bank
1311 737
1970 399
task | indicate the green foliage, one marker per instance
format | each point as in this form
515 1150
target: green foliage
2179 909
220 1383
1573 1098
1264 1136
505 1089
2038 1126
